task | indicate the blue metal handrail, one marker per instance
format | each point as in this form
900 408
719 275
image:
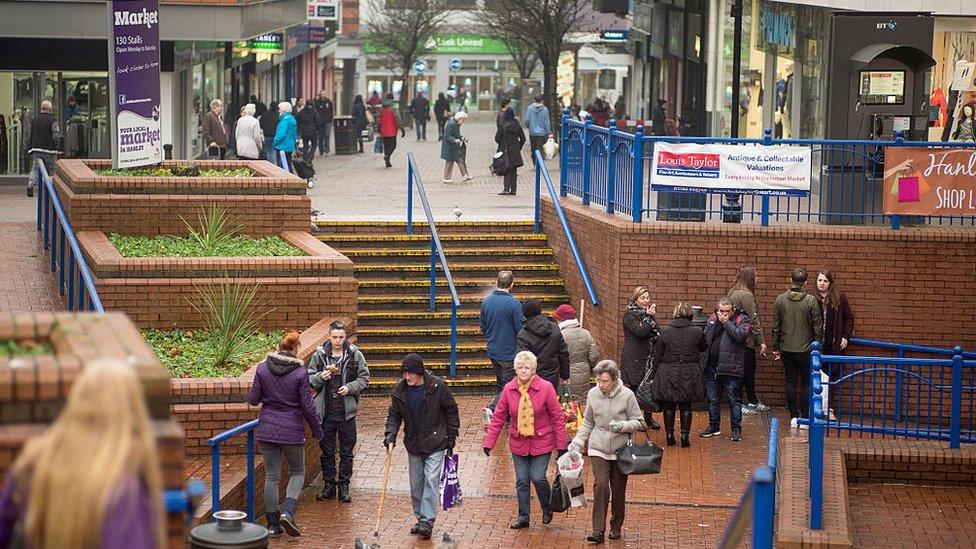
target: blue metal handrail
903 348
436 253
542 173
214 444
53 221
757 506
184 500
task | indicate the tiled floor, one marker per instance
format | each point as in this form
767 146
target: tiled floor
26 281
886 515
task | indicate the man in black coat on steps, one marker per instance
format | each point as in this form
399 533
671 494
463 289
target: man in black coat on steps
544 339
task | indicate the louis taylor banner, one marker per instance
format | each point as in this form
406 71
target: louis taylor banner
134 82
776 170
929 181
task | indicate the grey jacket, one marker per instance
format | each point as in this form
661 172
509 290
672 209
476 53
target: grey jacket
620 405
582 355
353 372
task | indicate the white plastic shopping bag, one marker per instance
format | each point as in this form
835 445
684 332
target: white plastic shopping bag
550 148
571 470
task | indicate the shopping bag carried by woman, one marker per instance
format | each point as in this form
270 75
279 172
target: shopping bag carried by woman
640 459
571 473
378 145
550 148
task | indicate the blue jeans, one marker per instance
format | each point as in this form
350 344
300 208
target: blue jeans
420 123
425 484
733 388
269 150
324 131
531 468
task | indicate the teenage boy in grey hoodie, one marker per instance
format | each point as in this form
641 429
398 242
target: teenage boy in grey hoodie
539 126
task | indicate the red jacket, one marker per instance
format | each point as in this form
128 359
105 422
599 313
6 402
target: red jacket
388 122
550 423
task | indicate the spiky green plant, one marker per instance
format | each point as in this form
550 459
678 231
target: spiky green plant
216 229
228 310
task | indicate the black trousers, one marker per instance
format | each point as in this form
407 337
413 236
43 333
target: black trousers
797 368
511 180
536 142
389 145
749 376
345 431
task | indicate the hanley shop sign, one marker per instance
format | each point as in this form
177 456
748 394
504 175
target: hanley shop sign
919 181
776 170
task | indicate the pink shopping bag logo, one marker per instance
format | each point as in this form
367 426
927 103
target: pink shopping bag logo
908 189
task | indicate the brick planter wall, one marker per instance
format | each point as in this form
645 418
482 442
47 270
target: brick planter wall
916 285
272 202
157 292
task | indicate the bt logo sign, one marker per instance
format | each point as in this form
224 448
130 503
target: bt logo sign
890 25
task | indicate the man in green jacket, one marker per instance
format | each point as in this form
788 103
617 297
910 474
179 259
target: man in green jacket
796 323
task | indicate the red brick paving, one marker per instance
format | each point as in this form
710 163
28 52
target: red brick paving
26 281
888 515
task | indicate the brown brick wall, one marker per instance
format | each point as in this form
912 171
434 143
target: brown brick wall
916 285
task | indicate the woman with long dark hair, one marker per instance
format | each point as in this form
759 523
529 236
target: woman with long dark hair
836 315
742 294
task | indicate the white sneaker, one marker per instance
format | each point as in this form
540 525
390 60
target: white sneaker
748 409
488 413
467 178
760 407
447 181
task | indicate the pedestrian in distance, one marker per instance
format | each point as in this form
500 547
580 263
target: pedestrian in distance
505 105
269 127
742 294
677 377
326 110
423 404
214 134
390 124
308 128
726 334
92 478
281 388
42 144
248 134
359 119
338 374
501 319
659 118
611 416
837 319
259 107
454 148
510 138
286 134
538 427
640 334
539 126
797 322
583 353
420 109
442 111
544 339
375 100
620 108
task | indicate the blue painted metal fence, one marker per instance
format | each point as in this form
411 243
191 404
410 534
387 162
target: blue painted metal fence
757 506
214 443
612 168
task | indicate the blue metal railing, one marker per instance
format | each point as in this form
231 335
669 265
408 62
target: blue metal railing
847 181
436 253
214 444
542 173
74 277
185 500
757 506
919 398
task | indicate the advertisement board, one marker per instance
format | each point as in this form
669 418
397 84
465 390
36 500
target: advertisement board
927 181
776 170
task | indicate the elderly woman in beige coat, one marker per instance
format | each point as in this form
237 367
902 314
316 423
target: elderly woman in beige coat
611 415
582 350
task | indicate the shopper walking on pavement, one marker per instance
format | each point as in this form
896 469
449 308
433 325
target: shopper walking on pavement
420 109
510 139
797 322
359 119
543 338
425 406
308 128
677 378
539 126
248 134
640 334
506 105
725 337
442 111
214 134
611 416
338 374
269 127
281 388
582 350
286 134
453 148
742 294
837 319
323 105
538 427
43 143
389 126
501 319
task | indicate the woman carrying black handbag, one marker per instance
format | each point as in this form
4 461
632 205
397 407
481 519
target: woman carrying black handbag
677 383
640 334
510 138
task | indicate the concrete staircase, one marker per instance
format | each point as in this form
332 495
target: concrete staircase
393 270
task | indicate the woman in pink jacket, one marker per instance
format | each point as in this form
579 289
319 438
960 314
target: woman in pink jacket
537 428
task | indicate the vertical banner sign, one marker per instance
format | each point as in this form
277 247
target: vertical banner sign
134 67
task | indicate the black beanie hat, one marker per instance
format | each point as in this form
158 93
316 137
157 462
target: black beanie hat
531 308
413 363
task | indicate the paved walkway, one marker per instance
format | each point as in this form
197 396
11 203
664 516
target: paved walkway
26 281
687 505
887 515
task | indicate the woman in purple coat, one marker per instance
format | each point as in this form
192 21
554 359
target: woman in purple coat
281 388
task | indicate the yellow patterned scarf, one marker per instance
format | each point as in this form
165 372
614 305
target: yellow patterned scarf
526 415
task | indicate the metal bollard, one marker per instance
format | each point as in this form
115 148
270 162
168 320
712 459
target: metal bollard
230 531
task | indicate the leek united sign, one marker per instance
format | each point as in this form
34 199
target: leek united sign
133 63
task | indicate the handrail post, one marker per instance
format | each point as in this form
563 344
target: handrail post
764 214
537 228
955 419
898 388
39 189
611 166
453 338
563 153
410 193
895 218
433 273
250 475
586 160
637 185
816 440
763 508
214 481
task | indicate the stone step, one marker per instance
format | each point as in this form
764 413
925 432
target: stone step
501 256
422 241
428 350
476 384
443 301
421 286
420 227
391 334
387 318
459 268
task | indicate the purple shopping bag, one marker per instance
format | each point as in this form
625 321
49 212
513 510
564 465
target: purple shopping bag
450 484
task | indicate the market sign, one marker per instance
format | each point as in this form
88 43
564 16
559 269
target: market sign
322 10
134 83
926 181
273 42
776 170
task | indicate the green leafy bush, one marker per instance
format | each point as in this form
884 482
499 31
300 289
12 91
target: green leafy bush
13 347
190 353
177 246
216 229
177 171
228 310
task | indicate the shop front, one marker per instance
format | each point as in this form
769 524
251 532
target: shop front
953 82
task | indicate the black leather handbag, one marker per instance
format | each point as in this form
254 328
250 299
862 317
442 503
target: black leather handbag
640 459
644 392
